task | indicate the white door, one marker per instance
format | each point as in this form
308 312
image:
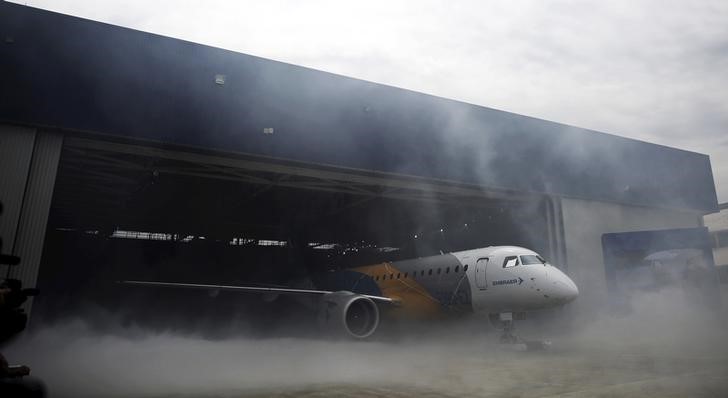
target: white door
480 278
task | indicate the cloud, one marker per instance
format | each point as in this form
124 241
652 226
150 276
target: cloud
651 70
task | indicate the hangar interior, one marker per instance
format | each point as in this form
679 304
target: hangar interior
136 210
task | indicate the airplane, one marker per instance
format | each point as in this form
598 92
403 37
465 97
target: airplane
499 281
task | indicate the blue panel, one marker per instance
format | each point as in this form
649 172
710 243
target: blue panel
81 75
642 249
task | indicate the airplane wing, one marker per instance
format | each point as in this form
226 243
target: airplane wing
250 289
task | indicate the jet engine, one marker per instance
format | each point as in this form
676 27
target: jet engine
348 314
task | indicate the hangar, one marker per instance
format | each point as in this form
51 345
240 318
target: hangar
127 154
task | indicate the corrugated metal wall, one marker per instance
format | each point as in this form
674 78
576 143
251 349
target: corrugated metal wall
107 85
27 174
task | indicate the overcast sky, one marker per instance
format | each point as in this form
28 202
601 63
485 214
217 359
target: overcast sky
651 70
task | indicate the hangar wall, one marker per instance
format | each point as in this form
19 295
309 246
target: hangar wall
584 224
260 107
28 166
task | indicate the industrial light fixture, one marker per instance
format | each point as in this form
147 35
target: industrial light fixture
220 79
268 130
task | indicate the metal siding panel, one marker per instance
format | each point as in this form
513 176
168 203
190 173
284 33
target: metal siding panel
111 85
16 150
36 206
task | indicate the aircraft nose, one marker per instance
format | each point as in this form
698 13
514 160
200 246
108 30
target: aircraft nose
572 291
563 289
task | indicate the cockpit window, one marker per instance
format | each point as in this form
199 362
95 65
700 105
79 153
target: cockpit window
532 259
510 261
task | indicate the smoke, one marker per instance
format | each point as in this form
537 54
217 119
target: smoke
668 336
662 340
77 361
666 321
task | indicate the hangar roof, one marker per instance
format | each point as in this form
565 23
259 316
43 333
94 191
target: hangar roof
75 74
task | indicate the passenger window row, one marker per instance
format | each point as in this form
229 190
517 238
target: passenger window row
406 275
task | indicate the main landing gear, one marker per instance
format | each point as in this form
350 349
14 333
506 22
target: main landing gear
505 322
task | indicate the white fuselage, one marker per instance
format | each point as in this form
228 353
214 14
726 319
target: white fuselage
502 280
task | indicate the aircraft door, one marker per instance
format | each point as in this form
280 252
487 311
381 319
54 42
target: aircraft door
480 279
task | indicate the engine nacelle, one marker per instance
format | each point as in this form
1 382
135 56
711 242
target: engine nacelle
349 314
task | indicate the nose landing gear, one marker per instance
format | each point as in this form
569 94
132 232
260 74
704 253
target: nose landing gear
506 324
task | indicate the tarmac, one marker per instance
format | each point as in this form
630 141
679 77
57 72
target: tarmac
564 374
77 362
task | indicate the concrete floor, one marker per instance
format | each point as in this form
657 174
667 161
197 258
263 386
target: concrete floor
77 362
563 375
583 373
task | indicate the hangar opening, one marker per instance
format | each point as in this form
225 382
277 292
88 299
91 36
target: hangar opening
126 209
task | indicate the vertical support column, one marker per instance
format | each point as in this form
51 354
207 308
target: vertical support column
555 230
560 233
36 202
557 247
16 151
550 229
